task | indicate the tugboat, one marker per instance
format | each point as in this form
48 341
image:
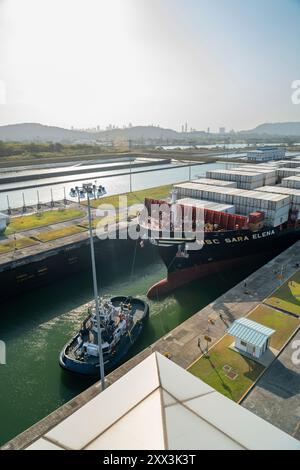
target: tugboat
121 321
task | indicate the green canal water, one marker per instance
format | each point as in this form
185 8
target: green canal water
36 325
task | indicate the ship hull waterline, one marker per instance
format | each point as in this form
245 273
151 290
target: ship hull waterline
221 252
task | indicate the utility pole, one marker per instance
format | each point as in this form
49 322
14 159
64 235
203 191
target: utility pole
101 362
65 198
8 206
130 176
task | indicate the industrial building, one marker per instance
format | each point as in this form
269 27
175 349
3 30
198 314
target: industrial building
266 154
251 337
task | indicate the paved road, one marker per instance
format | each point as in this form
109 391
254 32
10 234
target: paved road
276 397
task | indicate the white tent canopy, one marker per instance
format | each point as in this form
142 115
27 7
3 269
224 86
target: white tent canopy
158 405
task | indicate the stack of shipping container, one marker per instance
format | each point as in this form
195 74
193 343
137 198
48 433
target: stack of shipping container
275 206
269 174
291 182
244 179
289 164
286 172
294 194
202 204
214 182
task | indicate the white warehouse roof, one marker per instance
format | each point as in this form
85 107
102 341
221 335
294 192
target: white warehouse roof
159 405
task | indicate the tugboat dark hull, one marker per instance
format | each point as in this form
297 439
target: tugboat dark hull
69 362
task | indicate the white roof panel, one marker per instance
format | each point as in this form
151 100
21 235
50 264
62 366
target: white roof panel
159 405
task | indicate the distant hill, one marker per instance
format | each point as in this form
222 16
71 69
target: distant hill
277 128
40 133
140 132
34 132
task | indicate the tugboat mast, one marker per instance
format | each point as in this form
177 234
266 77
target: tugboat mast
101 362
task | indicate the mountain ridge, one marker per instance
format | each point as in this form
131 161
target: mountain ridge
36 132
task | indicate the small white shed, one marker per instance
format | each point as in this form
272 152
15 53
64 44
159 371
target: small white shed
4 220
250 337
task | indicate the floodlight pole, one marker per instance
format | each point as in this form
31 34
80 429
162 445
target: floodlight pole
101 362
130 176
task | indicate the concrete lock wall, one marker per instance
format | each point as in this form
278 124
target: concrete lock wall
2 353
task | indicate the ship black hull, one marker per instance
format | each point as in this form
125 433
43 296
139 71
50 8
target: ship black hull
219 251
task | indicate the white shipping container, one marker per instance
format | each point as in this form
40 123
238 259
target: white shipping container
244 179
291 182
201 203
269 176
239 173
294 194
286 172
245 202
289 164
214 182
257 169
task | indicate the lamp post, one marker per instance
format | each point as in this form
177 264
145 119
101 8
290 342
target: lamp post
96 296
65 197
24 204
8 206
130 176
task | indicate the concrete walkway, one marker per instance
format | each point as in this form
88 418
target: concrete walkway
276 396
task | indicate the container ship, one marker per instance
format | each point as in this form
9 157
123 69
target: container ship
249 214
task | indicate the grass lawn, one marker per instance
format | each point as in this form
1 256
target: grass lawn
287 297
137 197
27 222
211 370
20 243
102 221
55 234
283 323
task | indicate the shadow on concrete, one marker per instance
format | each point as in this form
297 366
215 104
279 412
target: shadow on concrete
281 381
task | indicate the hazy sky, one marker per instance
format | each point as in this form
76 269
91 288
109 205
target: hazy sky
94 62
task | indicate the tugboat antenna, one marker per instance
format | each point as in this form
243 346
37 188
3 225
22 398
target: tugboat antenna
101 362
